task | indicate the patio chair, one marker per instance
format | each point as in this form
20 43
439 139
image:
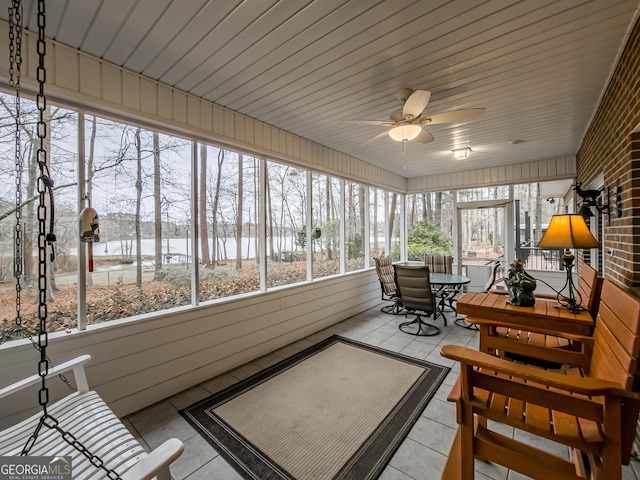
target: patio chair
441 264
384 269
416 295
593 410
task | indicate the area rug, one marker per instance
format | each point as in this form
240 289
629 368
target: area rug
336 410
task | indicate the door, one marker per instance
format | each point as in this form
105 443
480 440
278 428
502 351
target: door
483 237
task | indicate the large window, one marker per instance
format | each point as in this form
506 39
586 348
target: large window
61 147
429 224
144 257
325 234
286 213
355 214
139 183
394 224
377 225
227 219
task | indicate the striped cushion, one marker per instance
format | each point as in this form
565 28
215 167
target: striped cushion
384 268
439 263
92 422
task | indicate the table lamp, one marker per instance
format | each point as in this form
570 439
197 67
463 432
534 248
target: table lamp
568 231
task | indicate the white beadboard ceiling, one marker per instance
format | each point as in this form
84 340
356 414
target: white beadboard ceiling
538 67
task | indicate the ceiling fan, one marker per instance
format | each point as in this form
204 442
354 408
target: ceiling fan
408 122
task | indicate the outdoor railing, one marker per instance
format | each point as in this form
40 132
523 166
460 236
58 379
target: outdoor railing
535 258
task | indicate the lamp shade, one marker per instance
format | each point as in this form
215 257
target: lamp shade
404 133
568 231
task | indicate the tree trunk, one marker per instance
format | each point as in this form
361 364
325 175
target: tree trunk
214 209
138 207
374 226
437 211
202 208
157 208
32 175
363 212
392 218
239 218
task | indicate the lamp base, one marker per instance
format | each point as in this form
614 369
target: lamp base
572 309
571 303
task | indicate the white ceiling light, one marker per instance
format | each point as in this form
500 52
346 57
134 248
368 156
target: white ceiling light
462 153
404 133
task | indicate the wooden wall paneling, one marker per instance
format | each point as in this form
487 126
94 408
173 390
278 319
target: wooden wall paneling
179 100
238 129
131 90
67 68
111 84
193 111
148 96
517 172
4 47
90 76
229 123
258 134
282 142
206 117
218 119
165 102
249 131
508 173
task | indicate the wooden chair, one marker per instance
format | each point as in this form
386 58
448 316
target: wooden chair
384 269
594 413
519 343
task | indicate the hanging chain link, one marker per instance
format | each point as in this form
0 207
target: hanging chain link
15 54
45 185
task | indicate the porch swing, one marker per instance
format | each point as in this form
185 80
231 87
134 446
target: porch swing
81 424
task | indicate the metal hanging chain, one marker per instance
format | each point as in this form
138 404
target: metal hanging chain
45 184
15 62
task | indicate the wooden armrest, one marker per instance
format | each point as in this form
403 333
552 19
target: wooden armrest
160 458
75 364
529 327
575 384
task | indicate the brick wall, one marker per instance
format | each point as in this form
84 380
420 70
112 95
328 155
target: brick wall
611 146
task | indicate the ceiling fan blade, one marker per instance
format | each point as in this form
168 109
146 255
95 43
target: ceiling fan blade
415 104
377 137
455 116
424 137
368 122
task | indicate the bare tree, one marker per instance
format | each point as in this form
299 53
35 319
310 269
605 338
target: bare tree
215 194
157 207
239 217
138 142
202 208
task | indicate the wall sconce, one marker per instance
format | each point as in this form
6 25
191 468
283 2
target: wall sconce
590 198
461 153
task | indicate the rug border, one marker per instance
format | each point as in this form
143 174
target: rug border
240 453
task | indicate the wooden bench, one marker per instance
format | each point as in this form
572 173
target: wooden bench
593 413
88 418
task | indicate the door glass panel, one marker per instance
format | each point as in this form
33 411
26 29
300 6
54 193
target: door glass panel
482 236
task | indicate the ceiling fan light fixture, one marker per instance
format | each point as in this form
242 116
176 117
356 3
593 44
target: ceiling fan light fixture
404 133
461 153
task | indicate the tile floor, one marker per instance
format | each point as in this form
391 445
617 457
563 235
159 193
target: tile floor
421 456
